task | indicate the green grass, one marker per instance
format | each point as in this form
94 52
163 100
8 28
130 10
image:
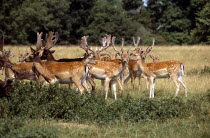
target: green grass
196 60
191 127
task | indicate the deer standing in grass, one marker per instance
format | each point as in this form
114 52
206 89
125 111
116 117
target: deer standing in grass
166 69
62 72
134 71
109 72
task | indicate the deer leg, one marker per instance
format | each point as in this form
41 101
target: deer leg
84 84
106 87
139 78
121 86
153 88
113 87
183 84
92 83
151 85
132 81
174 78
78 84
126 79
102 85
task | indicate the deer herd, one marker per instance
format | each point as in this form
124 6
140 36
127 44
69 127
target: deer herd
111 68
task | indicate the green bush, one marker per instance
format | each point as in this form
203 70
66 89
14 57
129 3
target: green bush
35 101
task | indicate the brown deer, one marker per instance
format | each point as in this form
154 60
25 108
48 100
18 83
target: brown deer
16 70
51 40
155 58
28 57
166 69
109 72
63 72
134 71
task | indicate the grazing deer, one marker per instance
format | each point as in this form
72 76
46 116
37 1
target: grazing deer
109 72
166 69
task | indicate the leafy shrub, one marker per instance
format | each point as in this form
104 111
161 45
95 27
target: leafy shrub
33 100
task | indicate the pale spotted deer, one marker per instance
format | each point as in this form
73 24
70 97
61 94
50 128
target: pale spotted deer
63 72
109 72
166 69
155 58
134 71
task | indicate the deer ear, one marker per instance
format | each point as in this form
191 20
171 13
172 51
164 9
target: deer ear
151 56
117 54
32 50
53 51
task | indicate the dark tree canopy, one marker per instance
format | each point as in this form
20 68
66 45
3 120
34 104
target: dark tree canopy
169 21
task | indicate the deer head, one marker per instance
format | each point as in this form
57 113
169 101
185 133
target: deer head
155 58
4 59
96 53
148 50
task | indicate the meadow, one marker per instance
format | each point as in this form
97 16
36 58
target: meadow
197 70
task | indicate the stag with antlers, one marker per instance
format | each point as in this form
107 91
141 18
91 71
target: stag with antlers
167 69
134 70
108 71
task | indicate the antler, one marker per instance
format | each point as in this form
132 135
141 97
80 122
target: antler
51 40
1 43
39 41
136 43
149 49
105 43
7 54
113 44
84 44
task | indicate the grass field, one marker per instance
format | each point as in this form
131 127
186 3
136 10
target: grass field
197 69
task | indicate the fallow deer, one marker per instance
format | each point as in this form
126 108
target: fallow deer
166 69
109 72
28 57
155 58
63 72
51 40
16 70
134 71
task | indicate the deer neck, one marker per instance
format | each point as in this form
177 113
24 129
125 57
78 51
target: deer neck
141 64
50 57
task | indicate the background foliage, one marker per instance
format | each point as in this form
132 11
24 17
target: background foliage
169 21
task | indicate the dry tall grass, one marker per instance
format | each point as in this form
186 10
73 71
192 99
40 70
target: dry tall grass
193 57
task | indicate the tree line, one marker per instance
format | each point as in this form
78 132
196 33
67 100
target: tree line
168 21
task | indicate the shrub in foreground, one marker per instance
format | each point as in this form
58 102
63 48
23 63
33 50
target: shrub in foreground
33 100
